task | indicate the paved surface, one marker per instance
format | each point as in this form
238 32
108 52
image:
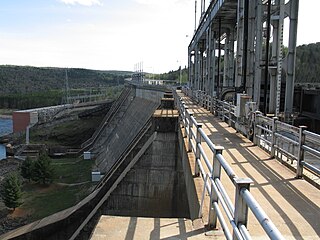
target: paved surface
292 204
138 228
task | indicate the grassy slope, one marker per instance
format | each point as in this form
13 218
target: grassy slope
43 200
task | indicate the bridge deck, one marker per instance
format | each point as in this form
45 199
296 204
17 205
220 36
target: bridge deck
139 228
292 204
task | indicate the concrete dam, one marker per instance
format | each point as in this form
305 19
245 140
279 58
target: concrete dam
175 166
136 149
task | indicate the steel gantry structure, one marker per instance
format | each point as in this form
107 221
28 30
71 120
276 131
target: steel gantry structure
238 47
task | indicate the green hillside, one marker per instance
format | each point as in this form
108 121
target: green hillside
25 79
308 63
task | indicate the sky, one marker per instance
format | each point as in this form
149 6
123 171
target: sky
109 34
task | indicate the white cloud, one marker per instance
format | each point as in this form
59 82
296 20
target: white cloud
82 2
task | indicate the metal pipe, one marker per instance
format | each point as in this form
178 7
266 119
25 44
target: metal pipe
286 152
310 167
261 216
263 139
245 44
225 196
226 167
222 221
311 150
244 232
263 128
311 134
207 140
219 58
266 69
286 139
205 158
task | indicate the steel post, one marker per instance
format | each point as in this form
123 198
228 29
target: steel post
216 173
241 207
302 138
198 142
273 137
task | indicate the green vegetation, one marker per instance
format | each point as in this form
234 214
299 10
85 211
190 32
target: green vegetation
26 168
25 79
70 170
51 97
71 183
32 87
72 133
171 75
308 63
11 191
39 170
42 170
42 201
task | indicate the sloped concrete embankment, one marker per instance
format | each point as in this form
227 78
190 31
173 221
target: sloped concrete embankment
63 224
135 117
144 178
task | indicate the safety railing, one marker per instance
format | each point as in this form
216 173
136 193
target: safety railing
209 166
114 108
296 145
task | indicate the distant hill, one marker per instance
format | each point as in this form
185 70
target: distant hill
26 79
308 63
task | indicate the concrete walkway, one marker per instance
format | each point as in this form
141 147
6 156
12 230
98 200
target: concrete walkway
138 228
292 204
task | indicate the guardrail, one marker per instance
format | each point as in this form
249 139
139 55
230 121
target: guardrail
288 143
114 108
209 168
283 141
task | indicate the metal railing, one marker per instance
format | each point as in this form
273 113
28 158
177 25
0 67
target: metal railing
209 167
288 143
114 108
296 145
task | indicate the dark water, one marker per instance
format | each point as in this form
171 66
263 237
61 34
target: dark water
2 152
5 128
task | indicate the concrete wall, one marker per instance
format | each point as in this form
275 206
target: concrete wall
193 200
151 95
124 132
155 187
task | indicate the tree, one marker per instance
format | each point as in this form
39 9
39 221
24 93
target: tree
27 168
11 191
42 169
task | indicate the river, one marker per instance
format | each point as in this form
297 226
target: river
5 128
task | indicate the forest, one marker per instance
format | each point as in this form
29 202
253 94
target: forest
26 79
308 63
25 87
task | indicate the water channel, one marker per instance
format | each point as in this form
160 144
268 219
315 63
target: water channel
5 128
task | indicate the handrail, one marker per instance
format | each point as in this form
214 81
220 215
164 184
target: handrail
219 199
114 108
283 141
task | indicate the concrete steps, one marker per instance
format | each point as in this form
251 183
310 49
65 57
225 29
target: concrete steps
139 228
